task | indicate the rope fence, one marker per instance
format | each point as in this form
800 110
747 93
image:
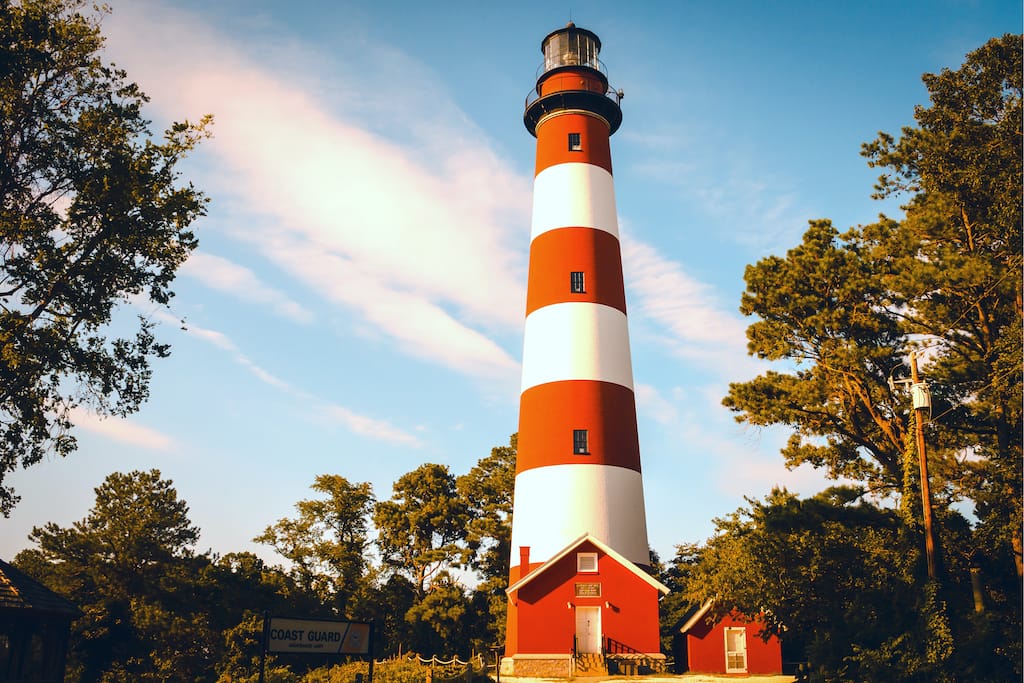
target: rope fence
454 669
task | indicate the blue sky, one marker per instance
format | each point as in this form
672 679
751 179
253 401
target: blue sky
357 300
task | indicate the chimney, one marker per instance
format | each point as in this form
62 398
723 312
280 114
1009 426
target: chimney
524 560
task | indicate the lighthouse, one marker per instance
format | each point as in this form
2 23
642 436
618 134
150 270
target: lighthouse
580 597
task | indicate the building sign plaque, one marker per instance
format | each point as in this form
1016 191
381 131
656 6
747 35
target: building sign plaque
315 636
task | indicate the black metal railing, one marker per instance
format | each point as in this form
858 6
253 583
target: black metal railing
610 646
609 92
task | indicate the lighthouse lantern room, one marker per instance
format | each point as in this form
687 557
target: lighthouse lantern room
580 596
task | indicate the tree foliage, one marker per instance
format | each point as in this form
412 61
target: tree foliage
843 310
91 217
837 578
153 610
127 565
488 488
822 306
840 312
421 530
959 271
327 542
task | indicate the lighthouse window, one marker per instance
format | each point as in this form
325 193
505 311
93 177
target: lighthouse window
579 442
575 143
576 285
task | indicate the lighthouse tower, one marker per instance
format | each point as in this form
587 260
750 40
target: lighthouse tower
579 595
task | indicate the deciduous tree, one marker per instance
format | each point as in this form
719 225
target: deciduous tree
421 530
327 542
92 216
835 577
487 488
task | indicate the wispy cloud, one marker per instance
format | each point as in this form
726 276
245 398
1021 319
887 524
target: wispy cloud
725 185
371 428
231 278
692 322
422 240
419 326
122 430
368 427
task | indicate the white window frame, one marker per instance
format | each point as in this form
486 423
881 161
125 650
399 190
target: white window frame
586 563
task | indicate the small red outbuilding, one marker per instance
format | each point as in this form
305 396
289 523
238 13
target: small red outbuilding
733 645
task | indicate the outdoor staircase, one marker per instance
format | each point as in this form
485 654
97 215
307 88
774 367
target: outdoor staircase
591 664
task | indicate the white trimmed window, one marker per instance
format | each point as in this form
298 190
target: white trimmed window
575 143
586 563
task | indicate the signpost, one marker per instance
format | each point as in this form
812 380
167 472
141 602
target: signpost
285 635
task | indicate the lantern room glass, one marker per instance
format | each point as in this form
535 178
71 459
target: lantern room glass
570 48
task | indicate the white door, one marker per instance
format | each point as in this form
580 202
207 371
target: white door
735 650
588 629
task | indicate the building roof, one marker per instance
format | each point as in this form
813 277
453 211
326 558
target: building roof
600 546
696 616
19 591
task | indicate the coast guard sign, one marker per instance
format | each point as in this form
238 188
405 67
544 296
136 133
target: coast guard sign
317 636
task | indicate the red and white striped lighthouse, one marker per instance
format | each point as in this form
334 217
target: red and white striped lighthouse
578 491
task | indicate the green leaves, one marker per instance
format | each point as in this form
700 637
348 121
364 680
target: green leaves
839 313
420 529
327 542
823 308
91 214
130 567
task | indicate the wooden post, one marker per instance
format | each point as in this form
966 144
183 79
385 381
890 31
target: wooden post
926 494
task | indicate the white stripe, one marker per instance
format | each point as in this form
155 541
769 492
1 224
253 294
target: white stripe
557 504
576 340
574 195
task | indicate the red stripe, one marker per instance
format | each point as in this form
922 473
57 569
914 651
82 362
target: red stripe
557 253
572 80
548 414
553 141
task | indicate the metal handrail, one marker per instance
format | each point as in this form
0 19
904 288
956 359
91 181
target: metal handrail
610 93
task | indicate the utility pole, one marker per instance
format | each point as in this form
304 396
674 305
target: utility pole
922 402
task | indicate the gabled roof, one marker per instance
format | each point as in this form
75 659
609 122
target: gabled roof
650 580
21 592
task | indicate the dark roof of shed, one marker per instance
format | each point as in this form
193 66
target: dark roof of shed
695 615
19 591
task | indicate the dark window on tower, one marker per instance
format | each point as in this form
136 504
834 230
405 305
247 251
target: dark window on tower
579 442
576 284
575 145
